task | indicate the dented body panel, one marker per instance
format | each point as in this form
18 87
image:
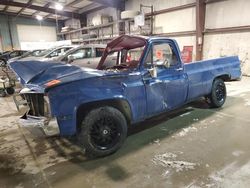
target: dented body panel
143 95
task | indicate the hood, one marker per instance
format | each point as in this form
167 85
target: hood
34 58
39 73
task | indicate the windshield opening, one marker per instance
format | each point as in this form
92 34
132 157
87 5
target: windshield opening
123 53
123 59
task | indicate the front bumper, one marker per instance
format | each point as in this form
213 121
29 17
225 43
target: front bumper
37 114
49 126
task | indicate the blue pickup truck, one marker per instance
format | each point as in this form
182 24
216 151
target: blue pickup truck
147 78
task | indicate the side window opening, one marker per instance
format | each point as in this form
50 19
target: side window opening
99 52
161 55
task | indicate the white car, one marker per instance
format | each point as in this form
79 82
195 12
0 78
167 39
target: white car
84 55
50 54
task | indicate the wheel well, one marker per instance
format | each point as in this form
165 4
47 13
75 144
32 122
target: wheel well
120 104
225 77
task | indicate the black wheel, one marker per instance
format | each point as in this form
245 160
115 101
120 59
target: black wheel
2 93
10 90
103 131
2 63
218 94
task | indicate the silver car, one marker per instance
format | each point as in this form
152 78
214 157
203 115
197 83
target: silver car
83 55
50 54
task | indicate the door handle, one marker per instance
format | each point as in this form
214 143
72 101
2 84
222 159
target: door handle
179 69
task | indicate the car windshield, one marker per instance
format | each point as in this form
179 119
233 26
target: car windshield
45 52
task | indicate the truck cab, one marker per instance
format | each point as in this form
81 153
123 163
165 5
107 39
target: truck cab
158 62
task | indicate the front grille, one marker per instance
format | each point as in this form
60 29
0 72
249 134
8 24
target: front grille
38 106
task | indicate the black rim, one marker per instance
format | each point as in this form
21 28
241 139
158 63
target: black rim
220 92
105 133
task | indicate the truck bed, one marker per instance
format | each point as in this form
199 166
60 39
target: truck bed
202 73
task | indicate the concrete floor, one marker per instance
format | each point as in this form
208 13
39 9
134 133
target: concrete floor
192 147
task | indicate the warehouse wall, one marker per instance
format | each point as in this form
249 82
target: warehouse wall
95 16
4 31
75 24
231 13
158 4
176 21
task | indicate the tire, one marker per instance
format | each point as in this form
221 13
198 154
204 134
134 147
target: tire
2 93
10 90
103 131
3 63
218 94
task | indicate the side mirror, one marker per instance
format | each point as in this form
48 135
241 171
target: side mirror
70 58
153 72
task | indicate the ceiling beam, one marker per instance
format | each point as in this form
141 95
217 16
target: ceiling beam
73 3
91 8
21 15
5 8
94 9
22 9
46 17
109 3
37 12
39 8
48 4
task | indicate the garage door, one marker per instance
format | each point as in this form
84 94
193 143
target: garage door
28 33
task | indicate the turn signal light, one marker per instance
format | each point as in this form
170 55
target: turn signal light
52 83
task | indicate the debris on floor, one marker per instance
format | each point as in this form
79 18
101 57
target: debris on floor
168 160
185 131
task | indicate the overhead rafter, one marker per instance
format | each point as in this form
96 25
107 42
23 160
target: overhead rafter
5 8
39 8
22 9
91 8
67 5
109 3
22 15
37 12
74 2
47 16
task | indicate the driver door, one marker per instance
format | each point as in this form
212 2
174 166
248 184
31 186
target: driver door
168 89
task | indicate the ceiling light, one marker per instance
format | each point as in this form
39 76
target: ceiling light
58 6
38 17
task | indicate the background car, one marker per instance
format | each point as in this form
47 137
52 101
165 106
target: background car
49 54
8 55
28 54
85 56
